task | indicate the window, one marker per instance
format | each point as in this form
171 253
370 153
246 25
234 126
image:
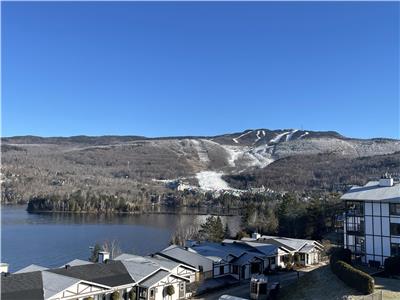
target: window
221 270
200 268
394 208
302 256
394 229
142 293
235 269
152 293
182 286
355 208
395 249
272 260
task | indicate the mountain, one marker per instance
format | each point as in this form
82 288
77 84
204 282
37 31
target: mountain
135 165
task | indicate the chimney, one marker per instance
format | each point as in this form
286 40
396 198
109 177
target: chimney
255 235
386 180
3 268
67 266
103 256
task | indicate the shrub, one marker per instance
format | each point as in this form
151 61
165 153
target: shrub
132 294
170 290
392 265
115 296
353 277
340 254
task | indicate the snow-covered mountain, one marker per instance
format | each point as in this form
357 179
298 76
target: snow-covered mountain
203 160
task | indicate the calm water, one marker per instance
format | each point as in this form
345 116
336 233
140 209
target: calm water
51 240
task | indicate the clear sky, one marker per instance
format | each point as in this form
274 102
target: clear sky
163 69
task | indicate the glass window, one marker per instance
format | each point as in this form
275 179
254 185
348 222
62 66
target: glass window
355 208
272 260
394 208
395 249
394 229
152 293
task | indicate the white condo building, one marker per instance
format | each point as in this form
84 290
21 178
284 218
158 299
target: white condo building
372 221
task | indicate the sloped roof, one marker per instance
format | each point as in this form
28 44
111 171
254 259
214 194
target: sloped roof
77 262
31 268
140 268
290 244
372 191
153 279
190 258
159 260
55 283
306 248
21 286
113 273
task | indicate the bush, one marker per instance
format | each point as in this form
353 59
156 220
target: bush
353 277
132 294
115 296
392 265
342 255
170 290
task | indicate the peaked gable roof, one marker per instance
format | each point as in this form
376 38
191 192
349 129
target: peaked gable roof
31 268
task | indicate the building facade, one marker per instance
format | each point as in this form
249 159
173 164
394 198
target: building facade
372 221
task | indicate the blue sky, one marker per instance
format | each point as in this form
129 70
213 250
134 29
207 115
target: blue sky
163 69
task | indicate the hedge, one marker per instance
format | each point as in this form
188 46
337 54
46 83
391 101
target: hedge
353 277
342 255
392 265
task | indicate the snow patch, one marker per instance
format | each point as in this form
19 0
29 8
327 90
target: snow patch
201 151
304 134
211 180
279 137
258 136
290 135
240 136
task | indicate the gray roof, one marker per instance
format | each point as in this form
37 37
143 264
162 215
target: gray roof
290 244
55 283
306 248
157 259
18 286
229 249
31 268
112 274
153 279
372 191
189 258
245 258
140 268
77 262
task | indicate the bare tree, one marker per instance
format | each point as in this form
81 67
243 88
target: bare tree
184 233
112 247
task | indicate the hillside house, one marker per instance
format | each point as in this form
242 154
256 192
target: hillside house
304 252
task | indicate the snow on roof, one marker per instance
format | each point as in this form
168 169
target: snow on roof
55 283
372 191
180 254
31 268
77 262
156 259
290 244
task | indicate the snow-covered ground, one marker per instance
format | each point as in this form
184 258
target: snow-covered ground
211 181
201 150
242 135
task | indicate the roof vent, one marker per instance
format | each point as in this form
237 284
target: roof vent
386 180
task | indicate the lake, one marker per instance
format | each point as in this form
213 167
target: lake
53 239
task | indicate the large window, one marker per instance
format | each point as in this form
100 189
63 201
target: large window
394 229
355 208
235 269
221 270
395 249
394 208
355 224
